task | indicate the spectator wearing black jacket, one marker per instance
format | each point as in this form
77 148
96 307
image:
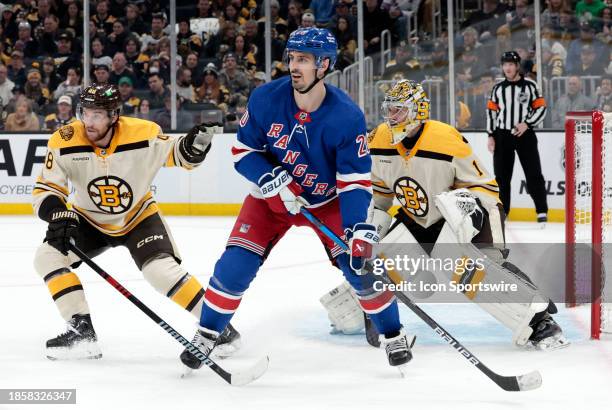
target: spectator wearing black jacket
487 20
133 21
64 56
116 40
375 20
7 20
16 69
29 45
102 19
48 36
120 69
72 20
50 78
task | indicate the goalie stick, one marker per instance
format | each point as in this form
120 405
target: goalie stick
235 379
524 382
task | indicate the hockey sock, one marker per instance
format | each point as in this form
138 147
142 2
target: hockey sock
379 305
67 293
233 274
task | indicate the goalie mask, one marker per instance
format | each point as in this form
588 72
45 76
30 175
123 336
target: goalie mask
405 107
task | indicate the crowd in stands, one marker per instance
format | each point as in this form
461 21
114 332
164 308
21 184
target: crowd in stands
221 52
576 39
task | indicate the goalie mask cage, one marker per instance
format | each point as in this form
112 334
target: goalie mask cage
588 210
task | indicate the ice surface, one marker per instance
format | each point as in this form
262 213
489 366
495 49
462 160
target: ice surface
281 316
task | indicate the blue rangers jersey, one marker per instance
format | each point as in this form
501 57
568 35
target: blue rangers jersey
325 151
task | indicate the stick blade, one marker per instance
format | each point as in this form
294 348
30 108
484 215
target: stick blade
254 373
529 381
525 382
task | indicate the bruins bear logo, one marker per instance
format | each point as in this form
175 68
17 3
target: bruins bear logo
66 132
110 194
411 196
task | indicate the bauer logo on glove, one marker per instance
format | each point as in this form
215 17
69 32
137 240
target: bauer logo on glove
273 186
360 240
281 192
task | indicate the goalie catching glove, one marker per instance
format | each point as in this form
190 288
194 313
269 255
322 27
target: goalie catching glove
196 143
63 226
281 192
360 240
463 213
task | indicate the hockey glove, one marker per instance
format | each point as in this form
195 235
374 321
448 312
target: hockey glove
196 143
281 192
463 212
360 241
63 225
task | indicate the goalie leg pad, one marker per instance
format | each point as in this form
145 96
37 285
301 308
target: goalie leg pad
379 304
343 310
516 309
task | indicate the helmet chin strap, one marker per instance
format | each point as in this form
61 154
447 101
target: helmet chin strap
111 126
310 87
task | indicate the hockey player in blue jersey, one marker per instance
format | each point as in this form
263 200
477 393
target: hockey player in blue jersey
301 143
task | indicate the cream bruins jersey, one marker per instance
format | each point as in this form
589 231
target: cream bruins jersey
440 160
111 186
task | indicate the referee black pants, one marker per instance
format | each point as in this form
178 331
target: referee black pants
526 146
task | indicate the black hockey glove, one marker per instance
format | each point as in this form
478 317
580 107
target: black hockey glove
63 225
196 143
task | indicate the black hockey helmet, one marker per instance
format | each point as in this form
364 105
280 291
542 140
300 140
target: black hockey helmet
511 57
102 96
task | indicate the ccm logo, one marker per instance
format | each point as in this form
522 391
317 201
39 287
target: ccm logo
149 239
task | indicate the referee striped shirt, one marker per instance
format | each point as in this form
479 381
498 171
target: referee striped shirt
513 102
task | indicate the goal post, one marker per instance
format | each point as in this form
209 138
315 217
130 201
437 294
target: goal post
588 210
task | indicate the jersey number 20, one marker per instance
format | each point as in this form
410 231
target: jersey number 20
363 146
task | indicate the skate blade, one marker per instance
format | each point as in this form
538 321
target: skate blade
403 370
187 371
84 350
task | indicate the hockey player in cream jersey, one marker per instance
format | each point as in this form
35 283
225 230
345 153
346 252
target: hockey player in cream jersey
446 193
110 161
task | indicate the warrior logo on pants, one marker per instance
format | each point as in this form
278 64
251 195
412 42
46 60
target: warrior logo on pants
110 194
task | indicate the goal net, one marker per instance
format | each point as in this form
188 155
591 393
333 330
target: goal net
588 226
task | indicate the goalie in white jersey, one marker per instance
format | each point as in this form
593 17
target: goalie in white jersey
110 161
446 195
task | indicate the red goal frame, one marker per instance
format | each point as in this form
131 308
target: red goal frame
597 128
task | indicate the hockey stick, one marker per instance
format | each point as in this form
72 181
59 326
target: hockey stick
524 382
235 379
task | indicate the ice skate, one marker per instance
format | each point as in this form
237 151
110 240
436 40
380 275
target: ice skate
398 349
204 340
78 342
547 335
228 343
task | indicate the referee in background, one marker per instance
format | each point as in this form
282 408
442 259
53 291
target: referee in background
515 108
